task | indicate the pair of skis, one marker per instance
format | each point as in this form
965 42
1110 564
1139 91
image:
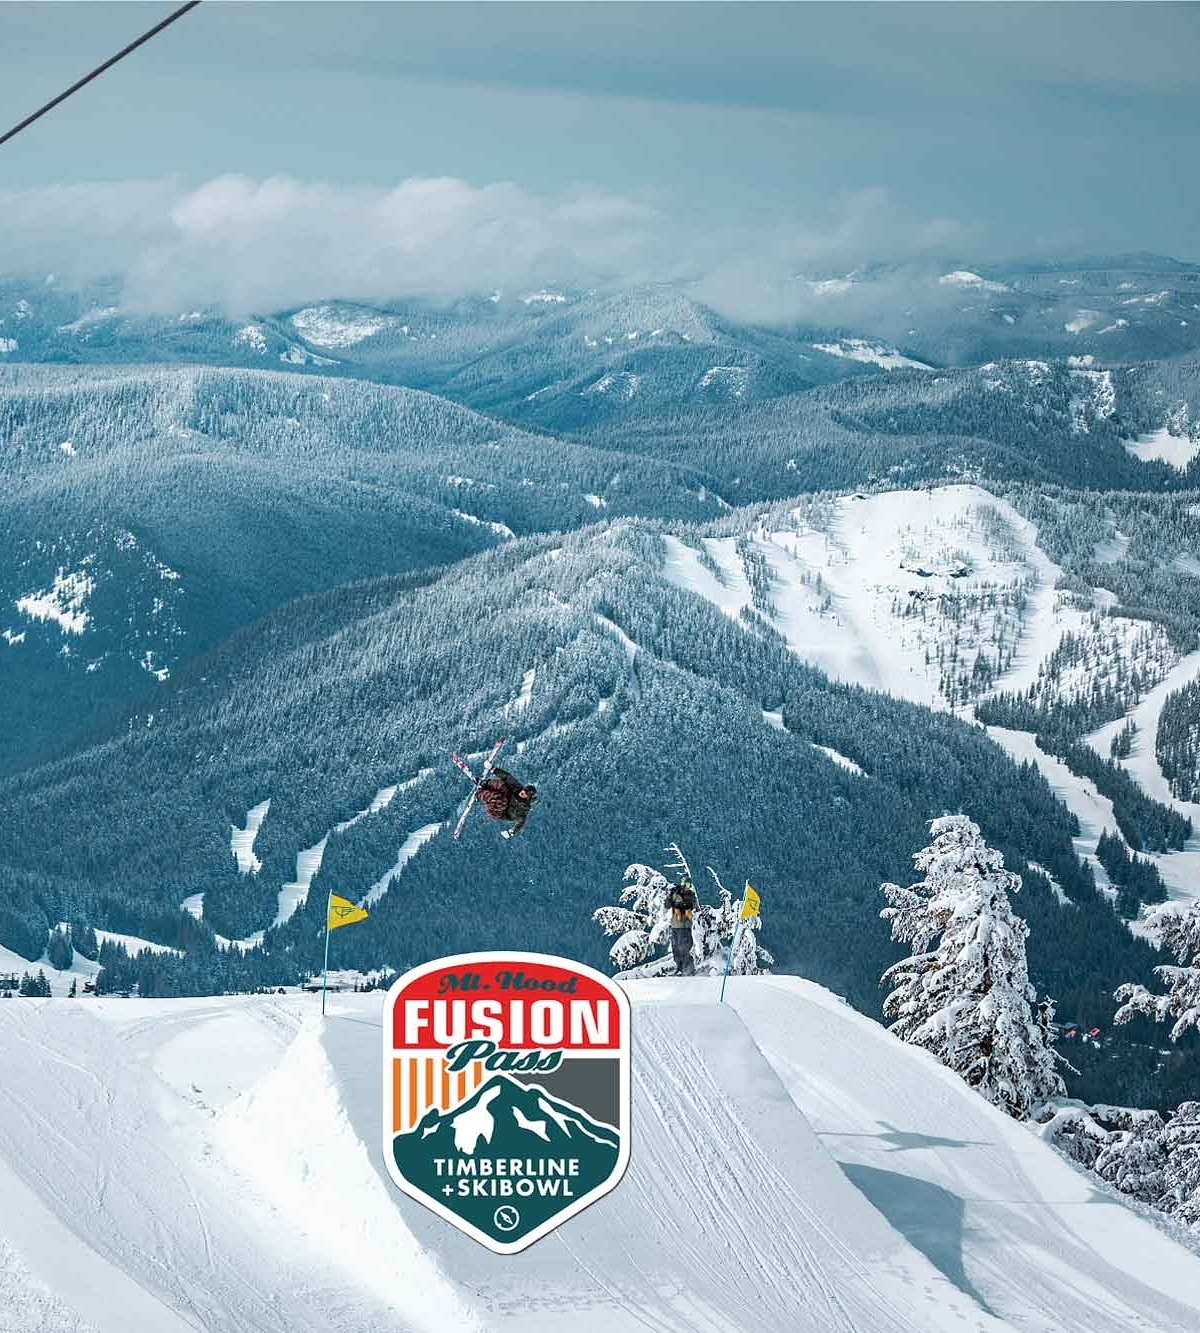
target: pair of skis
488 764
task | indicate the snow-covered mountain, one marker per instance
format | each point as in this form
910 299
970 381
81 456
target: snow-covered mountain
216 1164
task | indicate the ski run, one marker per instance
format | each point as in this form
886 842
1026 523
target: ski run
215 1164
842 584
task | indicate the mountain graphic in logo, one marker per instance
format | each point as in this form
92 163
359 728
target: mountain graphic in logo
509 1157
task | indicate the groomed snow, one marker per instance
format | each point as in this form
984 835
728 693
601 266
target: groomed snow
134 944
241 840
842 593
293 894
840 759
875 354
178 1165
1160 446
408 849
1180 870
169 1167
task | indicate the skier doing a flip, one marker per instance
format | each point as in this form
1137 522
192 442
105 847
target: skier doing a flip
681 899
506 799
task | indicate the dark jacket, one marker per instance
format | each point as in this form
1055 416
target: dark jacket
681 899
501 798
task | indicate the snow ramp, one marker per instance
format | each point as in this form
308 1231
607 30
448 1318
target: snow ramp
1042 1244
732 1217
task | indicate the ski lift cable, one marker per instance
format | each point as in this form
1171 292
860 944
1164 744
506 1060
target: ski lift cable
95 74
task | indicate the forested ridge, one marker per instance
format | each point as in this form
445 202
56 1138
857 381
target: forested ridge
227 583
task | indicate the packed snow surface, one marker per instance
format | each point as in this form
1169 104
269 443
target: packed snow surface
295 893
1180 870
408 849
875 354
872 590
840 759
241 840
1160 446
215 1164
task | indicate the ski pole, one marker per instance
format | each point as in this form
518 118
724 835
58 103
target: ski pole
325 974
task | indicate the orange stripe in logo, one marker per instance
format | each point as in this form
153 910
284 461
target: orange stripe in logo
396 1124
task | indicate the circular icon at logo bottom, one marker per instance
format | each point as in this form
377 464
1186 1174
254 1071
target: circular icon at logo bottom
507 1218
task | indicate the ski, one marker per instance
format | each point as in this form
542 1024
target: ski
488 764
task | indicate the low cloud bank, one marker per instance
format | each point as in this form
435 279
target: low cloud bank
243 245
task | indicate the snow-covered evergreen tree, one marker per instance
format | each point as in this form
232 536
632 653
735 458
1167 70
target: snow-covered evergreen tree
715 929
967 998
1134 1157
1124 1147
642 923
1181 1143
1179 933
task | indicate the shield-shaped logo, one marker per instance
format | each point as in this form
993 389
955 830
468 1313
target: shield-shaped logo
506 1091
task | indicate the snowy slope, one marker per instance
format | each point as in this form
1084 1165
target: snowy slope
872 589
902 591
214 1164
1180 870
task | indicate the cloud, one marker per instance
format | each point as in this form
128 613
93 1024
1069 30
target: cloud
242 245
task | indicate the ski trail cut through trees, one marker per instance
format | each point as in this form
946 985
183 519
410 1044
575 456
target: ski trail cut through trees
408 849
241 840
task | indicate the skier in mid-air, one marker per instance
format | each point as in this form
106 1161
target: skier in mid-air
507 799
681 899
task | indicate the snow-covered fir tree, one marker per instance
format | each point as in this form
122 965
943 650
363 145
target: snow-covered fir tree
1181 1144
642 923
967 997
1179 933
1134 1157
1123 1146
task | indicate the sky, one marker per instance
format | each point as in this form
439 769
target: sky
439 146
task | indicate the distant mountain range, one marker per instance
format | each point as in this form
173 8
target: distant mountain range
691 566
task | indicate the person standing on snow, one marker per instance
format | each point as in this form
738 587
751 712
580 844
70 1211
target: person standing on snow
506 799
681 899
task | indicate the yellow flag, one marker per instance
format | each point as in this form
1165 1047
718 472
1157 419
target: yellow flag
342 912
750 903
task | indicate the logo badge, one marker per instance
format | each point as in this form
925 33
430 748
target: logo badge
506 1092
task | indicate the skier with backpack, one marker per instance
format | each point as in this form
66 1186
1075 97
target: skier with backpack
507 799
682 900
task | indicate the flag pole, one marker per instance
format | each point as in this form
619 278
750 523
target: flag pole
325 974
729 959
